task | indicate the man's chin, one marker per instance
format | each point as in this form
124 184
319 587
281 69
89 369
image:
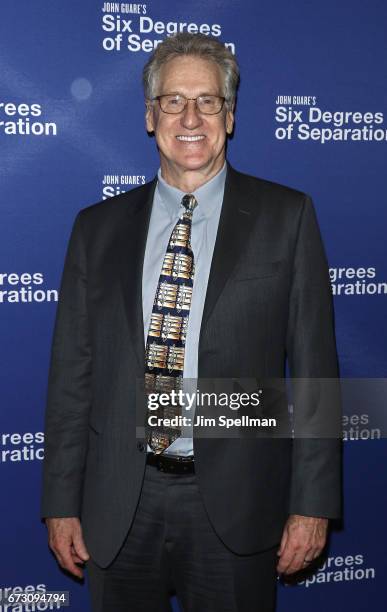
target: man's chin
196 163
200 164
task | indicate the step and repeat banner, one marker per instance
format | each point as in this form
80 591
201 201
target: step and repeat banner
311 114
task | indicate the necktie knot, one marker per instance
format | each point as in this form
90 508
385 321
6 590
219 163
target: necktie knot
189 202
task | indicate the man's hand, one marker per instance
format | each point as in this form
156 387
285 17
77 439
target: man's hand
66 541
302 541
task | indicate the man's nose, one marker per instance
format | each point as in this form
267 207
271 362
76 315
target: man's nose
190 117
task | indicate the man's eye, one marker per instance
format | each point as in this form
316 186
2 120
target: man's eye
207 101
174 101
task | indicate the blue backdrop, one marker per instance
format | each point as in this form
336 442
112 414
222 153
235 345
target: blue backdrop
311 114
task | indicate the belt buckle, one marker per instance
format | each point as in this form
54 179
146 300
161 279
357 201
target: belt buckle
174 465
167 464
170 464
160 464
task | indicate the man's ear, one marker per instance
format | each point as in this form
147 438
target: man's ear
230 119
149 121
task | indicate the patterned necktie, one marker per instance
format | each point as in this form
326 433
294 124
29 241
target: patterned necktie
165 346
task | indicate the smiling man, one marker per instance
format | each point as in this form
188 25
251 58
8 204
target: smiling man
203 273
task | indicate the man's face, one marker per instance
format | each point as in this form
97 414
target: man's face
190 76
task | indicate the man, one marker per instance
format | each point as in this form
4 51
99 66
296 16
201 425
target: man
202 273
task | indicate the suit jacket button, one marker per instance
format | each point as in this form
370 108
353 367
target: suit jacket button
141 447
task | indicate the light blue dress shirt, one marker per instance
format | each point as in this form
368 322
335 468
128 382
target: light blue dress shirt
166 210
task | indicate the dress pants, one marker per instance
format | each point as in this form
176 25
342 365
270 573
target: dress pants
172 548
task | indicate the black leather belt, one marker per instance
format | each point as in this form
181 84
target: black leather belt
172 465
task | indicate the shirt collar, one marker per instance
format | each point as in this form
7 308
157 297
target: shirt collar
207 195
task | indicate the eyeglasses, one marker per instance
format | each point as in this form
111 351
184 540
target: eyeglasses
174 104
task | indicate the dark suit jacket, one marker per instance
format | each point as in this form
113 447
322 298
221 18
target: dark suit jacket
268 298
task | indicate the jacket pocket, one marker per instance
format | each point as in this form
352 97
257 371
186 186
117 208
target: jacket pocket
255 271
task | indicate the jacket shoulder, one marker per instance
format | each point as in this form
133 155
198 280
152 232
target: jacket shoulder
115 208
275 194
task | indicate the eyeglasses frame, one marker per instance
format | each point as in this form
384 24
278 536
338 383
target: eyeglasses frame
186 102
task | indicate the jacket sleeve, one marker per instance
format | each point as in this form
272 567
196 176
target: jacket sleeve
312 358
69 389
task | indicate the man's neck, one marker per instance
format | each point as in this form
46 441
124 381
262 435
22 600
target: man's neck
190 180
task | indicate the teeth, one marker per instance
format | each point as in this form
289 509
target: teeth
190 138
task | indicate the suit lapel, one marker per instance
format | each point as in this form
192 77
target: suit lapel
235 223
131 258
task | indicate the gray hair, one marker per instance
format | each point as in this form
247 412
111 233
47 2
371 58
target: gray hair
198 45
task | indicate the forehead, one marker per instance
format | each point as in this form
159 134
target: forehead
190 75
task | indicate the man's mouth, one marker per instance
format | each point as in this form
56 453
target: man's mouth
190 138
